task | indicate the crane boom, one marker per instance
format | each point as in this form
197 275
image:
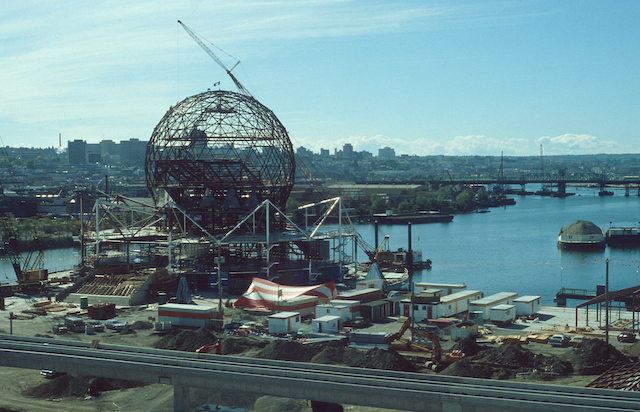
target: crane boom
195 37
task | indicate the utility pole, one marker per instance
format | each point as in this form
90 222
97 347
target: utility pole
606 299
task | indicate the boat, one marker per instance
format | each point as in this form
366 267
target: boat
581 234
616 236
605 193
391 218
398 260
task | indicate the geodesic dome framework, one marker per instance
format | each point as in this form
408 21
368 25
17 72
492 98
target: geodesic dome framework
220 151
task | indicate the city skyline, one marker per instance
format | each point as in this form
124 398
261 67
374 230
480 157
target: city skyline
472 78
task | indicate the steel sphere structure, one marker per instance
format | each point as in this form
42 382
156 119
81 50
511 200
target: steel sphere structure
220 151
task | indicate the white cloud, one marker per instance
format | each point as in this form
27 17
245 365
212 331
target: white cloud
474 145
578 144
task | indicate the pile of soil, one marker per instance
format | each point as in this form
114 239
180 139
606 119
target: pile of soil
468 346
504 362
288 351
275 404
595 356
375 358
185 340
71 385
141 325
247 346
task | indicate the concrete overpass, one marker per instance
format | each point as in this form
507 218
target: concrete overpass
365 387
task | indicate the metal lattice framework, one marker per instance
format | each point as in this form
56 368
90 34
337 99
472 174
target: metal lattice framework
220 150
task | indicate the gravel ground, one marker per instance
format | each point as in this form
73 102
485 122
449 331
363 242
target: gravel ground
15 382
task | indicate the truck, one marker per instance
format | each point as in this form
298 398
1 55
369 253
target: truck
74 324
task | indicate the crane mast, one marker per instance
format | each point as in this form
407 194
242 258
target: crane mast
195 37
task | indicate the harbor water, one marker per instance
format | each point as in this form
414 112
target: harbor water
514 248
54 260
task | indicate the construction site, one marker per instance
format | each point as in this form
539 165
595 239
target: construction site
214 264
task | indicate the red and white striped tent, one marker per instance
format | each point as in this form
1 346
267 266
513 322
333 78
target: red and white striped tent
263 295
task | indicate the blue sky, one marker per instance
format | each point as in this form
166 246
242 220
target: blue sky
424 77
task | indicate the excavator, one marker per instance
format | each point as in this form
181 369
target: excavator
438 356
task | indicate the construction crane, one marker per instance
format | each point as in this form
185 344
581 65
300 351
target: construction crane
30 271
195 37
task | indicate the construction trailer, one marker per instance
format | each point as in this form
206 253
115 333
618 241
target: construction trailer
185 315
284 322
527 305
447 288
485 304
376 311
330 309
503 314
353 305
303 304
362 295
440 307
326 324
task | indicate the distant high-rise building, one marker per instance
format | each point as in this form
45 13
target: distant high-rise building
386 153
347 151
94 153
324 152
77 152
133 151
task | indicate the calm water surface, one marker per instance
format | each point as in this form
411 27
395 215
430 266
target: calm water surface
510 249
514 249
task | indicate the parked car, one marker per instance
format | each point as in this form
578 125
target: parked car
49 374
559 340
97 325
576 340
115 324
627 336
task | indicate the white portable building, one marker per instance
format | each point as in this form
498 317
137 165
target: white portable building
303 304
353 305
503 314
527 305
330 309
485 304
447 288
446 306
284 322
326 324
195 316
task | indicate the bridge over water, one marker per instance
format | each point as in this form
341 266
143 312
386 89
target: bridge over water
559 180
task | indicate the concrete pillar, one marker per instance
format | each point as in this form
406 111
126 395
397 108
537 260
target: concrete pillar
180 398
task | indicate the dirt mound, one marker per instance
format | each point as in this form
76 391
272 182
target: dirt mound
70 385
245 346
377 358
372 359
274 404
595 356
185 340
504 362
287 351
468 346
329 356
141 325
